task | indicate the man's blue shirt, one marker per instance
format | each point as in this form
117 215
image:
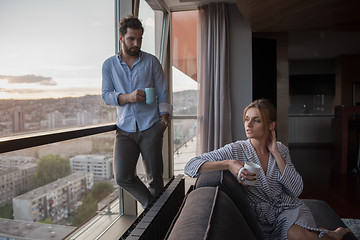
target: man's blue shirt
118 78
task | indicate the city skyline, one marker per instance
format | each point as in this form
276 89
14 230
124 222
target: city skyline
24 116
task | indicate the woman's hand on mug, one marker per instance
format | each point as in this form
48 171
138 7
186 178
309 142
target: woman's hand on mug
234 167
244 174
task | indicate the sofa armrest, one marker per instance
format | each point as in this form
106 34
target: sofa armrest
209 179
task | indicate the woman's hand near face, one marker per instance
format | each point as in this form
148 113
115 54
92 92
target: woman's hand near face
273 148
272 143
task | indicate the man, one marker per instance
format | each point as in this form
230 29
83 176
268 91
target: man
140 126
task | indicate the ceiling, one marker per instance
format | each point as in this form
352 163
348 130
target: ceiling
322 44
300 15
317 28
289 15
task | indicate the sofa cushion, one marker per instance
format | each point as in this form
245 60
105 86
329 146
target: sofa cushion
209 213
323 214
192 218
325 217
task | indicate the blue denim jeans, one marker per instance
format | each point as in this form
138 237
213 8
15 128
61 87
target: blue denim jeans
127 148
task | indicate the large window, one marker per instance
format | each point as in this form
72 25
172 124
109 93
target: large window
51 53
184 74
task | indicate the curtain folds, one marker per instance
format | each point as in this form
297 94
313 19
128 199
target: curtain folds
214 112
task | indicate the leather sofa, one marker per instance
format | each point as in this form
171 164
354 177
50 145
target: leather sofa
216 207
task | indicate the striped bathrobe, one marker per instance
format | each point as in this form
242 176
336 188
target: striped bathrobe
274 197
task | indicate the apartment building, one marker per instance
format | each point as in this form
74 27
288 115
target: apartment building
55 200
7 162
14 180
100 166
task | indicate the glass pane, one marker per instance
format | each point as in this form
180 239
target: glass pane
184 143
184 75
147 17
184 51
63 184
152 23
51 54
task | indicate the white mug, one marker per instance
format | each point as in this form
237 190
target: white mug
253 168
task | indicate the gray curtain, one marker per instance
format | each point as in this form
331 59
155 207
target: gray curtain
214 112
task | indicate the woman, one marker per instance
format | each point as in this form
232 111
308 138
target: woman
274 197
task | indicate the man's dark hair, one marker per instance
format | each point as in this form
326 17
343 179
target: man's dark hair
129 22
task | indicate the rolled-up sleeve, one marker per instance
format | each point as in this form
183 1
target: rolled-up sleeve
109 95
160 86
192 167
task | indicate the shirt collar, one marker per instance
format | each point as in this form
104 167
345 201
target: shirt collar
119 53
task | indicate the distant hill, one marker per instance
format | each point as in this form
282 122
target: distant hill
185 102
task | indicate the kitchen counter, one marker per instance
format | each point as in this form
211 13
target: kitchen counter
311 115
311 128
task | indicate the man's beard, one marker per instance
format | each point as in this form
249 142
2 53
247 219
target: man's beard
130 51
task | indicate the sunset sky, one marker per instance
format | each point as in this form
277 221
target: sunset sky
55 48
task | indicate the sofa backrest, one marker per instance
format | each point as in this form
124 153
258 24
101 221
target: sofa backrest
209 213
229 184
237 193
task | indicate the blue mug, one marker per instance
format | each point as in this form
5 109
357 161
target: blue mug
150 95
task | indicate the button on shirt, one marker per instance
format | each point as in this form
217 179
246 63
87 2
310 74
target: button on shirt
118 78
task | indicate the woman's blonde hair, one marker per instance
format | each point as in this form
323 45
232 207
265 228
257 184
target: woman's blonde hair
266 109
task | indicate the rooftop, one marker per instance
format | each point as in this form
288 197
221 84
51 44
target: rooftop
90 158
31 230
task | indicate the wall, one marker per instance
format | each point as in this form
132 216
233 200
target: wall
349 71
320 66
282 93
240 35
241 74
